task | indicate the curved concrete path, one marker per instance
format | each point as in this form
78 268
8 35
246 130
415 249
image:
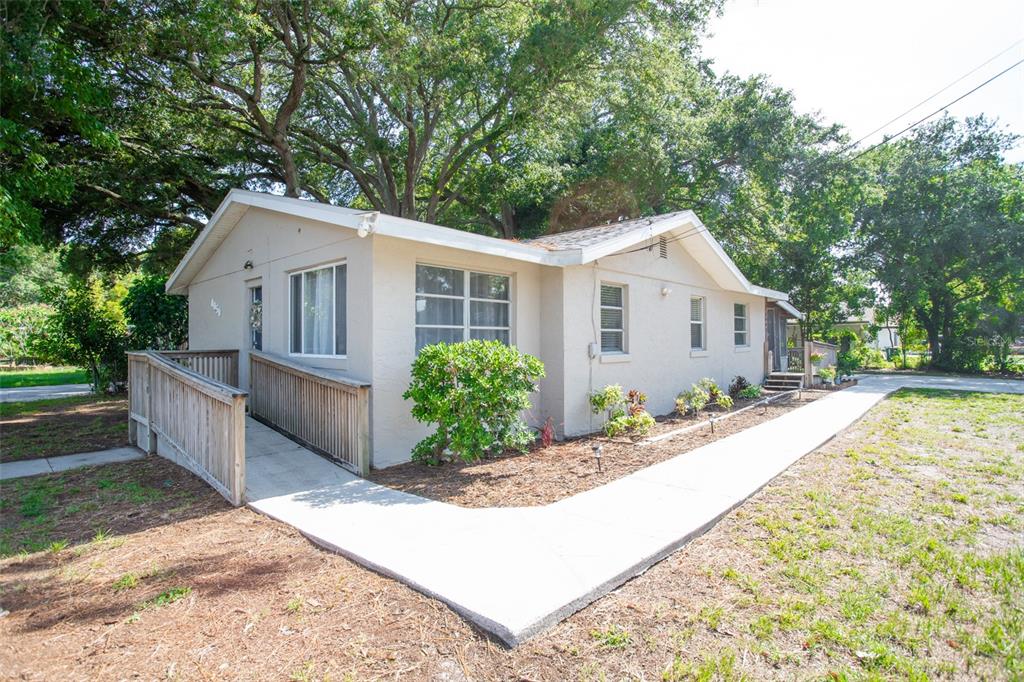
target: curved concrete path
517 571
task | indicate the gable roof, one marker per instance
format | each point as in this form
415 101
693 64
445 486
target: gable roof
574 247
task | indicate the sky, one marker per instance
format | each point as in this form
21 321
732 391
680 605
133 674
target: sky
863 62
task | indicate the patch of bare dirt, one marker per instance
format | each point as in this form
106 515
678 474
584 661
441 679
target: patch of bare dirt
546 475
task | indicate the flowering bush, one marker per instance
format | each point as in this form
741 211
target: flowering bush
474 391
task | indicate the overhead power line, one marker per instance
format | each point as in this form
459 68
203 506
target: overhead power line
939 110
936 94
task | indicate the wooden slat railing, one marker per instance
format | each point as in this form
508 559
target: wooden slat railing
219 365
190 419
324 410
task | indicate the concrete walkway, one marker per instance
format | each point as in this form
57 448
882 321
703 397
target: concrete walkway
517 571
49 465
13 395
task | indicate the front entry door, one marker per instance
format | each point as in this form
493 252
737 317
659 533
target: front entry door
775 339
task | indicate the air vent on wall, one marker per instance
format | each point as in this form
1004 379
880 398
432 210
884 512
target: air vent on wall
663 247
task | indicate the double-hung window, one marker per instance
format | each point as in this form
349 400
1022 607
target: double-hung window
613 318
456 305
698 334
739 324
317 305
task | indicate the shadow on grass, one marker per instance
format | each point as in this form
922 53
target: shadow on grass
78 506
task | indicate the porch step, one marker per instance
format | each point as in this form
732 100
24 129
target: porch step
784 381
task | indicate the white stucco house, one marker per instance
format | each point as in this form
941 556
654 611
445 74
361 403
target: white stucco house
652 303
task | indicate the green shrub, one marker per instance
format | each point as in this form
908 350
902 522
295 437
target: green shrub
703 393
626 413
692 401
474 391
156 319
637 424
88 329
827 374
610 400
750 392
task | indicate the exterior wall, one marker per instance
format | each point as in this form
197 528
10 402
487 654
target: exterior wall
394 336
278 244
552 346
555 317
658 360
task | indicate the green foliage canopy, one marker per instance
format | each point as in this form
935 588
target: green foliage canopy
946 234
155 319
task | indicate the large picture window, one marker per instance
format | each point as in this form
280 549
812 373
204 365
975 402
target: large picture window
698 336
318 324
456 305
739 324
613 318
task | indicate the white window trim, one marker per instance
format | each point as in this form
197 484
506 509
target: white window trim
468 300
291 313
624 352
703 322
746 321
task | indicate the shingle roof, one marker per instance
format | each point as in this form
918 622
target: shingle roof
589 236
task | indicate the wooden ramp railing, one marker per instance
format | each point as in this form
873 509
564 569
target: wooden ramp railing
192 420
324 410
219 365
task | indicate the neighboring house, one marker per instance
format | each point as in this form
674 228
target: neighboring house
653 304
875 334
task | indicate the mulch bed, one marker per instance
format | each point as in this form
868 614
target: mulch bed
64 428
546 475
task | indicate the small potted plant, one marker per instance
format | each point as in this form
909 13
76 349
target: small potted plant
827 374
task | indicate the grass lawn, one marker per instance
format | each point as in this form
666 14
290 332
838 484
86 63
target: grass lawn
896 551
42 376
62 426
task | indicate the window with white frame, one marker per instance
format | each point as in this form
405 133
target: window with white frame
613 318
698 336
317 304
455 305
739 324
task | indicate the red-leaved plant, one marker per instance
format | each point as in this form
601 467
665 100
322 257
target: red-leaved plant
547 433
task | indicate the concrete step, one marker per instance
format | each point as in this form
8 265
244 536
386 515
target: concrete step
784 381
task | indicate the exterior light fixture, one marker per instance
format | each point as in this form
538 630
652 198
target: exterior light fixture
367 224
248 265
665 291
597 447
